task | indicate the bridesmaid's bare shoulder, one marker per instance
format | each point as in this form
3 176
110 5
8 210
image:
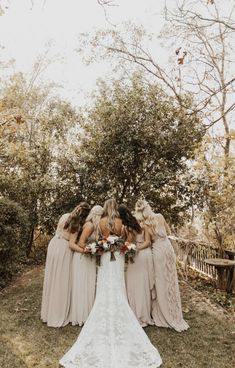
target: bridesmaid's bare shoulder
118 221
88 225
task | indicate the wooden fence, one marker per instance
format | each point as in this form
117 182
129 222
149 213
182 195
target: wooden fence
193 254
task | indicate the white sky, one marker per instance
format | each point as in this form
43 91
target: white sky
25 31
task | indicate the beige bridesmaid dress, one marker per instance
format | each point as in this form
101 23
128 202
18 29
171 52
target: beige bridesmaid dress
166 310
57 280
83 286
140 284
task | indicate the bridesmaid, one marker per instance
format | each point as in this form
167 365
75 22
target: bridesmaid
84 270
140 274
57 280
167 310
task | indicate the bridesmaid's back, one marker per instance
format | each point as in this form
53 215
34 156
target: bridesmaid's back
60 231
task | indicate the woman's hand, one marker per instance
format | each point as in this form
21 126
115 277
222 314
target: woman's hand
86 250
72 242
147 239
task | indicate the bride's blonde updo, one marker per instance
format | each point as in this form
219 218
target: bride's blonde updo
145 215
94 216
111 212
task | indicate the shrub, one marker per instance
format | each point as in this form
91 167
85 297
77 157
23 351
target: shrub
14 224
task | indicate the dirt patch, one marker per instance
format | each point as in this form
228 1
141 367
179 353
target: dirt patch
26 342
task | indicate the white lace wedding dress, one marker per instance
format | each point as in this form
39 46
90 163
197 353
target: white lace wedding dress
112 336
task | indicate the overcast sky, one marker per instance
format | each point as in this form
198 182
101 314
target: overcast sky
26 30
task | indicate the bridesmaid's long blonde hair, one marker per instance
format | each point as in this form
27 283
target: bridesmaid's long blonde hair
94 216
145 215
111 212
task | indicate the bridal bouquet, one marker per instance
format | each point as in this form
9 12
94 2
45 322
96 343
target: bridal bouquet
111 244
129 250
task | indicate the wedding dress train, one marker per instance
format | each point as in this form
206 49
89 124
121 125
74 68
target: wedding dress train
111 336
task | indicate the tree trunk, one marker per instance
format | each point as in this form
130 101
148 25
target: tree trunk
30 241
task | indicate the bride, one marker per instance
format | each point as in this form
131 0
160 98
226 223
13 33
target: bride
111 336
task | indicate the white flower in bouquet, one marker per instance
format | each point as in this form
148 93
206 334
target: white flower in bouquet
105 246
112 238
92 248
132 246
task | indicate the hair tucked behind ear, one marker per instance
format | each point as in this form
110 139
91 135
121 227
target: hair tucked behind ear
77 218
128 219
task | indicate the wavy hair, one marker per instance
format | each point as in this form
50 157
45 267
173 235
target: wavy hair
77 218
145 215
128 219
111 212
94 216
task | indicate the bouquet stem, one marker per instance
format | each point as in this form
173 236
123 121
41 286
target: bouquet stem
112 256
98 258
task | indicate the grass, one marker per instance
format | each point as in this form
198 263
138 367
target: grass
208 287
26 342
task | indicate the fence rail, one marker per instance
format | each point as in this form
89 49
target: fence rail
193 254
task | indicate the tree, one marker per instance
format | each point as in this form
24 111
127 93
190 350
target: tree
199 36
33 139
136 142
105 4
202 58
13 234
217 197
206 33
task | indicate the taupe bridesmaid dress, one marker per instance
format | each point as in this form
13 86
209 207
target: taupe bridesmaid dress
83 286
167 310
140 284
57 280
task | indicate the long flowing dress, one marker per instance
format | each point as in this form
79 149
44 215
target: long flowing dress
83 286
112 336
57 280
167 310
140 284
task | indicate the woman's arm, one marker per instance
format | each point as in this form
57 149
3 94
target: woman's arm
86 232
147 239
167 227
163 223
130 235
173 242
72 243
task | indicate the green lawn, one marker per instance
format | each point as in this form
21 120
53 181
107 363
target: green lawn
26 342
